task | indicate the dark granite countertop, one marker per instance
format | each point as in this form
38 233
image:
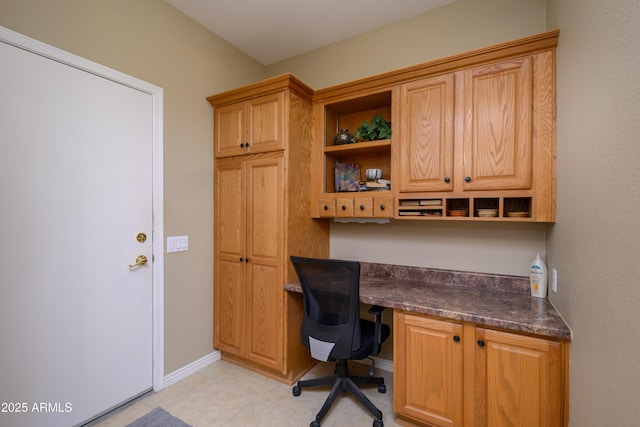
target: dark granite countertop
500 301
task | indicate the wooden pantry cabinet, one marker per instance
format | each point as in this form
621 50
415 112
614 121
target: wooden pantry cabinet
249 316
458 374
258 224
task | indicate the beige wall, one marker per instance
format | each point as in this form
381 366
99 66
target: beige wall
458 27
152 41
595 242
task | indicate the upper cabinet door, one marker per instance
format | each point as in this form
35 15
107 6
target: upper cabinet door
253 126
229 128
426 135
265 123
497 129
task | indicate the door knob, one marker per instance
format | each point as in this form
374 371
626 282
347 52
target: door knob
140 261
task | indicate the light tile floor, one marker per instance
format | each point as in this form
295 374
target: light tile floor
225 395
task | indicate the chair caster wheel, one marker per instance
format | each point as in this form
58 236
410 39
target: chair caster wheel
378 423
382 388
314 424
296 390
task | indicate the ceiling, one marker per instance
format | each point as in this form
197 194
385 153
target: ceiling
272 30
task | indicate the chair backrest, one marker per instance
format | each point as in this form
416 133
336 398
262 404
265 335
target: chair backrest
331 298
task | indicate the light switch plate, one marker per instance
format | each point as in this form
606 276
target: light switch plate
177 244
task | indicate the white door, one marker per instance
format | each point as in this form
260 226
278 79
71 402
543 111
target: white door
76 327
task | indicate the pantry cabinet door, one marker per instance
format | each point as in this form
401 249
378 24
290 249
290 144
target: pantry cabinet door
265 204
230 250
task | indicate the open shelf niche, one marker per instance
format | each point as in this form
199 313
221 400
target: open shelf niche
350 114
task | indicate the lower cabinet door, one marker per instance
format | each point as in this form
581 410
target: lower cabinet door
428 369
518 380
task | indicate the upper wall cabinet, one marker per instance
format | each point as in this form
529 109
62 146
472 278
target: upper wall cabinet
473 136
252 126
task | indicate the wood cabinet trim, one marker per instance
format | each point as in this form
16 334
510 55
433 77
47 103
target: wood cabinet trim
263 87
518 47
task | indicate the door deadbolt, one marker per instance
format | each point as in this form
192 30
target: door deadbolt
141 237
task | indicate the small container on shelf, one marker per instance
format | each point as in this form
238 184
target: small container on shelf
517 207
487 213
458 207
486 207
343 137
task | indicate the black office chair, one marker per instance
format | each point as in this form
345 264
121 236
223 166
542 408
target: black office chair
333 331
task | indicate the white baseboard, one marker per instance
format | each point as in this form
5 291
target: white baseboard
191 368
195 366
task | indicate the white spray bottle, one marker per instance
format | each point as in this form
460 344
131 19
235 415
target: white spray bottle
538 277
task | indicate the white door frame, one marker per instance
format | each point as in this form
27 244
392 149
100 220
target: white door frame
47 51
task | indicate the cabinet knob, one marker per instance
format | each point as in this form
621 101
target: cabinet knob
246 260
480 343
344 208
456 338
361 207
382 207
326 208
246 144
447 179
467 179
241 259
242 145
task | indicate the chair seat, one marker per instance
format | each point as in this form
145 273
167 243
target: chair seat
367 331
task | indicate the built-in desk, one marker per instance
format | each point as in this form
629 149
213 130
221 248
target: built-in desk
470 349
499 301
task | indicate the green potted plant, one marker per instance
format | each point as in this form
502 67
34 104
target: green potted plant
379 128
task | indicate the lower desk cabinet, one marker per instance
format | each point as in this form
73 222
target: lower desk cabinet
427 357
458 374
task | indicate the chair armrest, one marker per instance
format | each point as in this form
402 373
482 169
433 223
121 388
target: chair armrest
376 310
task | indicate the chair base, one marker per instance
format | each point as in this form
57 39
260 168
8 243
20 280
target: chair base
343 382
